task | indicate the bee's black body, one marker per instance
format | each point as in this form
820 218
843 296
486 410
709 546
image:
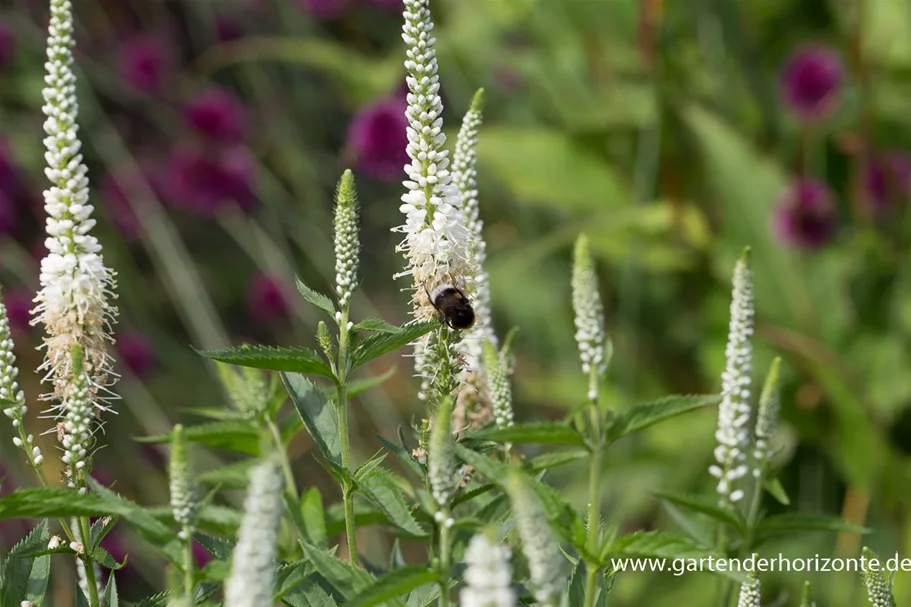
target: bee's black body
453 305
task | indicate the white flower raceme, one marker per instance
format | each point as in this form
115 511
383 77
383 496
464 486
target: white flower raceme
465 177
347 245
441 459
252 578
76 432
12 398
76 286
589 316
733 432
750 593
539 542
767 417
879 590
487 576
182 485
496 374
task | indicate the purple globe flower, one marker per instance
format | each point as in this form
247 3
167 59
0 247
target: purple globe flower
216 114
136 351
377 138
203 182
7 45
887 178
812 82
322 10
145 64
805 217
267 299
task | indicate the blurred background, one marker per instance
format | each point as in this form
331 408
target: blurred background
672 133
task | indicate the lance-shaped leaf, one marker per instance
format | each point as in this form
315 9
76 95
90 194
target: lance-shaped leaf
382 344
791 524
236 436
315 297
319 415
708 506
375 325
542 433
380 487
25 577
648 414
392 585
271 358
659 545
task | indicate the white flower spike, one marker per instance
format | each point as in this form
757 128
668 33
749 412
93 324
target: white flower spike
488 580
76 287
734 412
589 317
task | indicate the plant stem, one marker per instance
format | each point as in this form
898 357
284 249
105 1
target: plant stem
91 582
594 503
188 582
444 559
342 404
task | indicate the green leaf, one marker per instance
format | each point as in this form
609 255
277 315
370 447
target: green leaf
776 490
791 524
310 594
544 433
380 487
375 325
359 386
26 578
548 461
576 588
287 359
659 545
404 456
392 585
364 469
698 533
317 299
347 580
100 529
647 414
104 558
156 600
230 476
708 506
549 168
111 597
235 436
319 415
382 344
314 517
217 547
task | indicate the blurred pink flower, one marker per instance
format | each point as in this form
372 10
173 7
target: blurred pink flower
386 4
812 81
7 213
267 299
203 182
216 114
136 351
146 64
7 44
887 178
377 138
322 10
805 218
18 302
227 29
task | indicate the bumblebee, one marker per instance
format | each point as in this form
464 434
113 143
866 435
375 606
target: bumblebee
453 307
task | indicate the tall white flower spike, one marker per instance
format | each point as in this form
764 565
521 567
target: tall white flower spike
733 432
74 303
488 580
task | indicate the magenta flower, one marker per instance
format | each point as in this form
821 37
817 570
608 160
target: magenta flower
7 45
386 4
203 182
805 218
887 178
7 214
137 353
217 115
18 302
146 64
267 299
227 29
377 138
812 82
322 10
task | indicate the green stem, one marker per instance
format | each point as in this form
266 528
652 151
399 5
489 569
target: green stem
347 490
189 584
91 582
755 504
594 504
291 496
444 560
